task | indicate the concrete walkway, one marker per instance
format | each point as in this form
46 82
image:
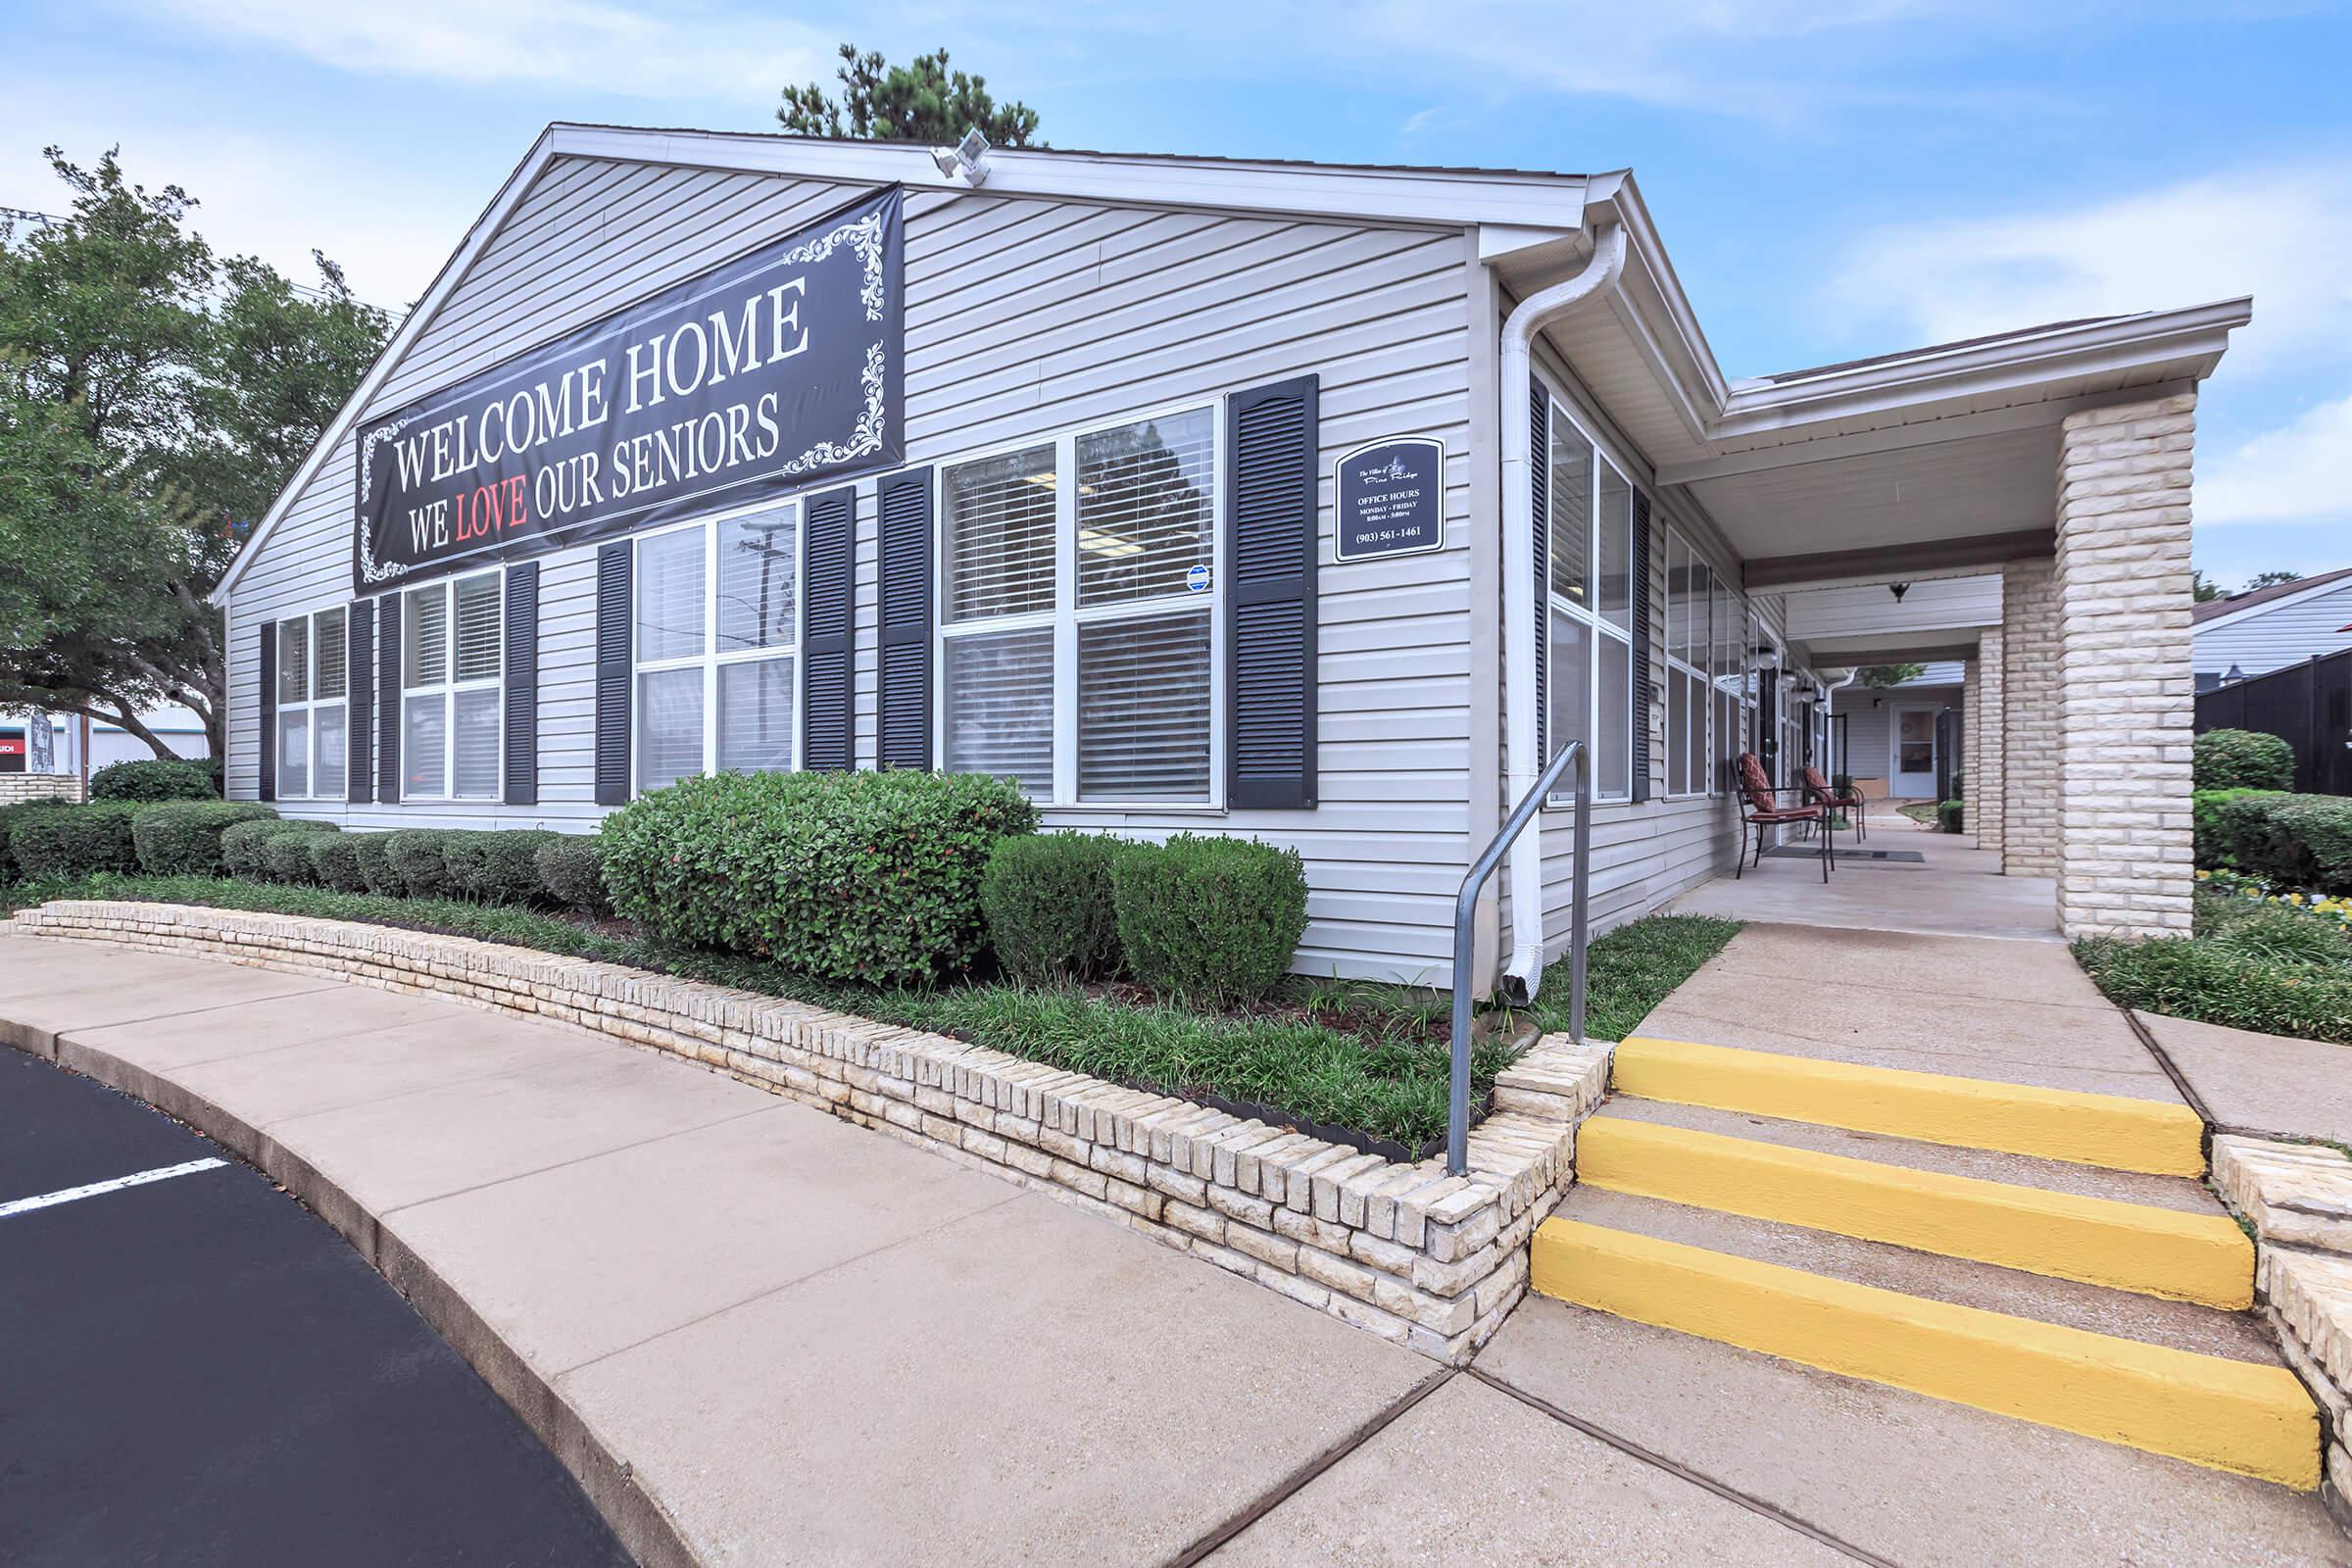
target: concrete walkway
761 1336
1953 889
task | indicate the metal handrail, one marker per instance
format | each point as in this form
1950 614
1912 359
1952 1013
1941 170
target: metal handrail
1465 912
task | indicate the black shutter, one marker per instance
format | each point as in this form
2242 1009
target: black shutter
523 684
831 590
612 680
358 702
904 699
387 700
266 789
1271 439
1539 478
1640 649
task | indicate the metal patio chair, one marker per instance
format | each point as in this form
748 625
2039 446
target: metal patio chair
1849 799
1765 810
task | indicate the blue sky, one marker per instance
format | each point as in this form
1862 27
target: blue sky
1833 180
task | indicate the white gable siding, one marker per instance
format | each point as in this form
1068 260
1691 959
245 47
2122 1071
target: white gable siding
1024 317
2275 635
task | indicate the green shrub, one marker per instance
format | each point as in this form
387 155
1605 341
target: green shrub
571 873
1047 901
1959 784
75 842
866 876
241 843
1209 918
2311 841
372 854
419 857
496 868
155 778
182 838
2279 932
335 860
2243 760
1948 815
2218 982
285 854
2216 849
13 815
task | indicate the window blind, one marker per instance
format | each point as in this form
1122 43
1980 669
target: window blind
294 751
669 726
425 746
294 662
480 714
426 654
331 654
669 596
1144 517
478 621
1571 495
1000 532
755 715
1142 708
333 749
999 707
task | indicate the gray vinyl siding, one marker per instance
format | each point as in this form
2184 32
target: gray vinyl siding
1024 317
1870 722
2276 635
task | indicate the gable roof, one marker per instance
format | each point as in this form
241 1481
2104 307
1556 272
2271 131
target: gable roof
2216 609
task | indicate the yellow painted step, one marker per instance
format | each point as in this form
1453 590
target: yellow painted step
2244 1417
2128 1247
2108 1130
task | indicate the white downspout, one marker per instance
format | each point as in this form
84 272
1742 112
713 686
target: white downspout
1525 971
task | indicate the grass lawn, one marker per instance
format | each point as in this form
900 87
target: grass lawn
2259 965
1347 1053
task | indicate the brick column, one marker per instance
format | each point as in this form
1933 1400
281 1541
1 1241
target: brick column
2032 714
1968 735
2127 691
1987 766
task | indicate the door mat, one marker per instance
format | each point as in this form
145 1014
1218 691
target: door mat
1809 852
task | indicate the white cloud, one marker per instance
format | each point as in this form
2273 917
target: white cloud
2295 474
2284 235
674 50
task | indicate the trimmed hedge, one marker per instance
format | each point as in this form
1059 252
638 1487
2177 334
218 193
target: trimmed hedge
2243 760
419 857
155 778
182 838
1209 918
495 867
286 853
10 816
2302 841
571 873
77 841
335 860
1047 901
241 843
372 852
1948 815
844 876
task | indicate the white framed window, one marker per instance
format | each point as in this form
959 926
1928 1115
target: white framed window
1589 682
312 718
1730 684
1691 640
717 642
453 689
1080 648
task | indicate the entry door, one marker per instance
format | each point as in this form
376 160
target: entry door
1911 773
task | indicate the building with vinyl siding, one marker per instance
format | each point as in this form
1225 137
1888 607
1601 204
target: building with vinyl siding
1100 471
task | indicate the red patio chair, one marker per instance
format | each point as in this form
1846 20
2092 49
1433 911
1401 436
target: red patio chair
1765 810
1818 790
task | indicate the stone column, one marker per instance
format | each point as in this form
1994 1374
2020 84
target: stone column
1988 768
1968 736
2128 696
2031 715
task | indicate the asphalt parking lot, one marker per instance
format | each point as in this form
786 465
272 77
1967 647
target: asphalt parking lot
194 1369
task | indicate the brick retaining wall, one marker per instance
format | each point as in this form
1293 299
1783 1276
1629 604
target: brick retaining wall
17 788
1430 1261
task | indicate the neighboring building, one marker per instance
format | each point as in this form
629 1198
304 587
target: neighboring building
2273 628
1195 494
22 749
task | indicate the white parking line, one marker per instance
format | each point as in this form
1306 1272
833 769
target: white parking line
25 1205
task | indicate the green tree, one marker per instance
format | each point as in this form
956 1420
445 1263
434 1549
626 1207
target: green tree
920 103
153 399
2203 588
2270 579
1892 675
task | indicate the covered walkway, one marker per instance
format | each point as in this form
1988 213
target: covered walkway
1904 878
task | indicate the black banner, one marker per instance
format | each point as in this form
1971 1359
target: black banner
774 371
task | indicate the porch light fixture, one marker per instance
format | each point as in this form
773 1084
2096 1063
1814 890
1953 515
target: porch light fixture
1899 589
968 156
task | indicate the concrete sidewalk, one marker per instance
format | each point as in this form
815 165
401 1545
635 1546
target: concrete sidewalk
762 1336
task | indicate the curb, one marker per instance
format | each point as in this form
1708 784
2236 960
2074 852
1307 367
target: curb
644 1527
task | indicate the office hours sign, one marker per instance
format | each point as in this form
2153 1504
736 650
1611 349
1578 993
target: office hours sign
1390 499
774 371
